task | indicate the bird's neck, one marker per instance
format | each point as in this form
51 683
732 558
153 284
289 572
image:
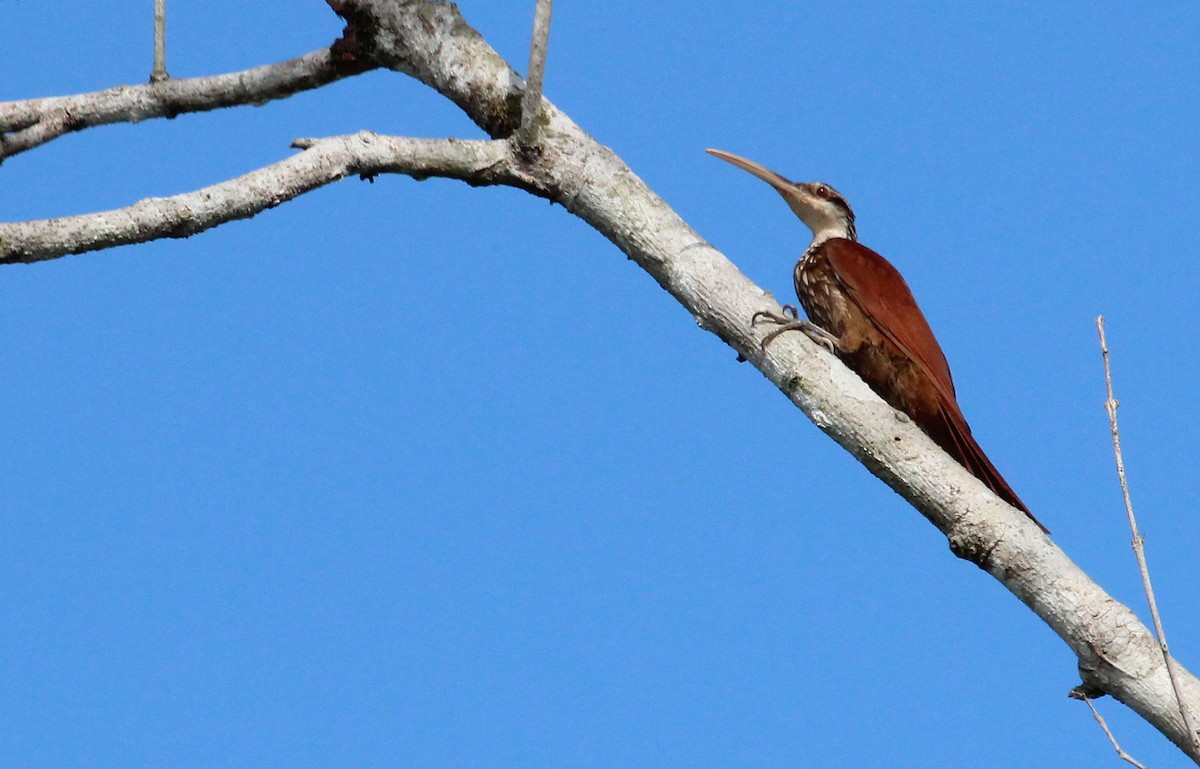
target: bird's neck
841 229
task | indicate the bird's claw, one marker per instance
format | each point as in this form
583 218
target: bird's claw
790 315
822 337
789 320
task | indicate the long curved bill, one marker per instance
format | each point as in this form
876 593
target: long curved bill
762 172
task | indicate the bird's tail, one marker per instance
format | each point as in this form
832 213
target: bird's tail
957 441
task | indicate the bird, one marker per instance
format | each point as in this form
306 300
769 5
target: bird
860 309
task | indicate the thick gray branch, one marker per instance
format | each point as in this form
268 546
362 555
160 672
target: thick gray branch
431 42
27 124
1117 655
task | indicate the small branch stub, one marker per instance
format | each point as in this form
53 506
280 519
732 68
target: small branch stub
531 102
159 73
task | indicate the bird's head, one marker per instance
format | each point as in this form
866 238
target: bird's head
818 205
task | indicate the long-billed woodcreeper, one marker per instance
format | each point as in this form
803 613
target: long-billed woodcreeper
860 309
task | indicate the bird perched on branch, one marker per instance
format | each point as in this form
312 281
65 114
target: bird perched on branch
860 309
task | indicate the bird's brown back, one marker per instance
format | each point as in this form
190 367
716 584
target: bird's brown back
858 296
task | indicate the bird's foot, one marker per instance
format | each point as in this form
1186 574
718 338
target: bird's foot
790 321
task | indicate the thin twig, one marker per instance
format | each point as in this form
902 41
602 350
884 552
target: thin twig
1139 550
159 73
531 102
1108 733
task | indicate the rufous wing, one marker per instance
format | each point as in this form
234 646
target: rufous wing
879 290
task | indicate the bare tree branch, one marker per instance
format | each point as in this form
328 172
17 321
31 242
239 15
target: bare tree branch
1139 544
30 123
431 42
1117 654
323 162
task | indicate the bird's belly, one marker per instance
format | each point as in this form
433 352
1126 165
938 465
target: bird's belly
894 376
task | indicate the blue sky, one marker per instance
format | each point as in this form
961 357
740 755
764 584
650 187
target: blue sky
412 474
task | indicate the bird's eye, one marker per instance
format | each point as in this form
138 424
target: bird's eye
822 190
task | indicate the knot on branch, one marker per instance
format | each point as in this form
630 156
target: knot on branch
969 546
501 119
348 54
